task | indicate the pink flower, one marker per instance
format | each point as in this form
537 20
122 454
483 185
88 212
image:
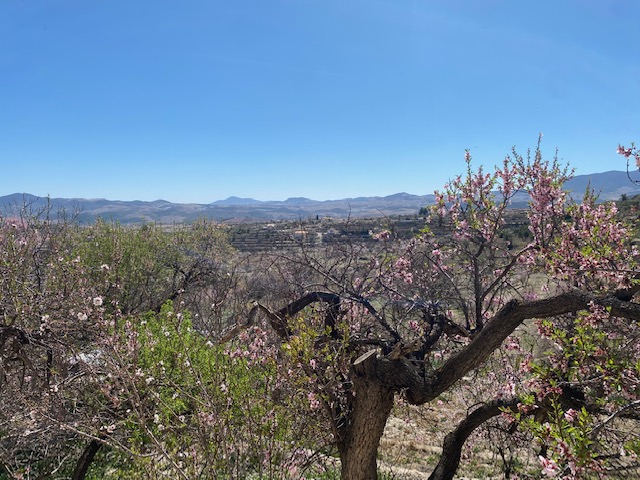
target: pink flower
314 403
571 415
549 467
97 301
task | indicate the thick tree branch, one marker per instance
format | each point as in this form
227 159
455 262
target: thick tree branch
454 441
279 320
404 375
509 318
396 373
85 460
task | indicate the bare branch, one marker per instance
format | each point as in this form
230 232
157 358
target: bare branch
613 416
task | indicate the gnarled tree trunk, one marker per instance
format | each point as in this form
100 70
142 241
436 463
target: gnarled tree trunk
358 446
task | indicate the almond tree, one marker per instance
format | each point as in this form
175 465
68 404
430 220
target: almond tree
412 321
67 292
48 311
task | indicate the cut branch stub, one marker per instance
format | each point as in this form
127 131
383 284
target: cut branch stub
364 365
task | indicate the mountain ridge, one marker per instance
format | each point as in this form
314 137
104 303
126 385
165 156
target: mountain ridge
610 185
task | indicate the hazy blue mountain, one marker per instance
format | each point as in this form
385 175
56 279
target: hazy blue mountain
236 201
609 185
298 201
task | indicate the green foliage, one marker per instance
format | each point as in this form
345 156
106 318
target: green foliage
583 385
316 365
133 260
141 267
204 409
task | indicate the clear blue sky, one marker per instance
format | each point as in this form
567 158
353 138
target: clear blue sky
197 100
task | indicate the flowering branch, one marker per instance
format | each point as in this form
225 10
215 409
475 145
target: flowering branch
629 153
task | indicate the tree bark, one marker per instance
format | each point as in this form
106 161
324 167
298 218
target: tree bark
360 438
85 460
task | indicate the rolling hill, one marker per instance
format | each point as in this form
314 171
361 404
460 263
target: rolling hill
609 185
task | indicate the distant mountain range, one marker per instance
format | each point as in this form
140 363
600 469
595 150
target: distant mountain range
609 185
